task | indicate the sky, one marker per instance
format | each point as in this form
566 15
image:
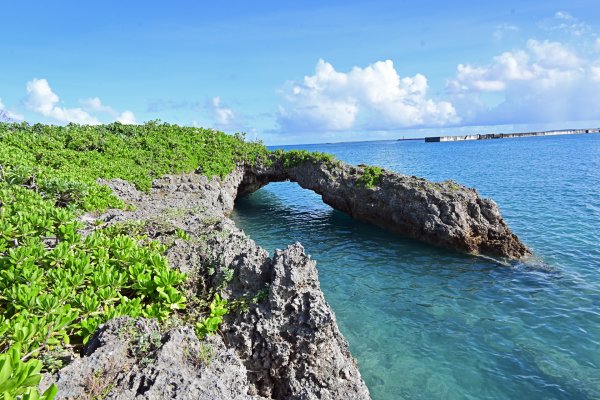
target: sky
305 72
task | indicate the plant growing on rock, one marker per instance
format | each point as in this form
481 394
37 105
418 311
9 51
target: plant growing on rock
210 325
56 285
294 158
52 296
370 177
67 160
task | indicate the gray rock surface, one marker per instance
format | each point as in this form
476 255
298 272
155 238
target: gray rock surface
444 214
129 359
290 343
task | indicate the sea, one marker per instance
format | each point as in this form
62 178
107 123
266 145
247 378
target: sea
429 323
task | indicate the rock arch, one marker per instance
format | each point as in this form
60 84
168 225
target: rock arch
444 214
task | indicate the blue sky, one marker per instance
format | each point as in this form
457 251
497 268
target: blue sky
301 72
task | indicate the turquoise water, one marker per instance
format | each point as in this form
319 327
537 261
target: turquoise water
428 323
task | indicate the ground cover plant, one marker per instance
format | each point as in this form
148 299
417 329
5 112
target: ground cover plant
65 161
294 158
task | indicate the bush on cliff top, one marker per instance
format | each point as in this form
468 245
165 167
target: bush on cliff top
57 287
294 158
67 160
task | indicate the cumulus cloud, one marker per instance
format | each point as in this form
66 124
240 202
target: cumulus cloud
224 116
94 104
363 98
8 115
543 63
41 99
127 117
545 81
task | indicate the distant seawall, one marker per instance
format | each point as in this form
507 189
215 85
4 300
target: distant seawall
509 135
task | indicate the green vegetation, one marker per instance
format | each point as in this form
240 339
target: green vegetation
371 177
452 185
181 234
57 287
294 158
63 162
210 325
18 379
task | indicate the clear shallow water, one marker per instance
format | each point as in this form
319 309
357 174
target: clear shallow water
427 323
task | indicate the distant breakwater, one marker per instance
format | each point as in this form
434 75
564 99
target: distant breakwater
509 135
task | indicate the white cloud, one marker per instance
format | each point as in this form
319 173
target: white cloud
502 29
127 117
545 81
8 114
565 22
543 63
597 44
223 115
94 104
363 98
41 99
553 54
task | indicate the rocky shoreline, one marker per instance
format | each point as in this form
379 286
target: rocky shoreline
282 339
284 346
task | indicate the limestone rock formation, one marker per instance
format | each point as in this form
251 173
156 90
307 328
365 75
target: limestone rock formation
281 341
132 359
444 214
291 342
283 345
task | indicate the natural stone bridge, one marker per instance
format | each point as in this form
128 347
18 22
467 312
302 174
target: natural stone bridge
445 214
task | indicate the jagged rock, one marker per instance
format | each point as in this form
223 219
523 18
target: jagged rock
129 359
444 214
286 346
290 344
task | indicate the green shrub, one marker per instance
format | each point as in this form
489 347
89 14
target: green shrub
370 177
58 295
294 158
56 286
